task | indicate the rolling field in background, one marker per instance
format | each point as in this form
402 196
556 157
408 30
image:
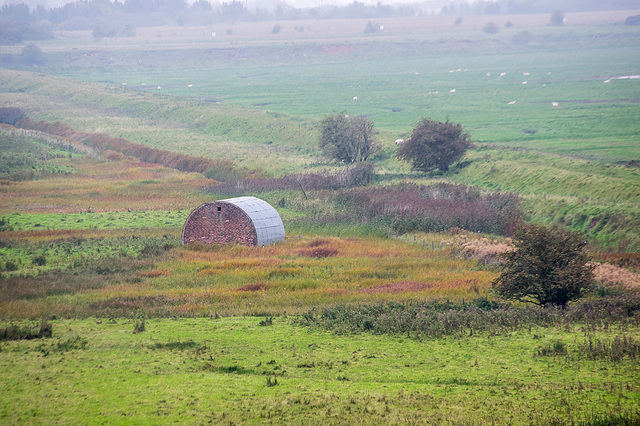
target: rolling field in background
359 316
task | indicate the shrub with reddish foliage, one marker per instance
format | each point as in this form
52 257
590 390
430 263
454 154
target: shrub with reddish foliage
436 208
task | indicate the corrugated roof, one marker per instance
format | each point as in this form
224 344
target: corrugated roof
265 218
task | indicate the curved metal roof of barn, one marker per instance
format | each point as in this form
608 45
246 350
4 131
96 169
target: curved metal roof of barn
269 226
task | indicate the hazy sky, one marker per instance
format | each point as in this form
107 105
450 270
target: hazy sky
296 3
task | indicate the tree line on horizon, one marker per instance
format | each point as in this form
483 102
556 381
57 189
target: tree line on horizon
19 22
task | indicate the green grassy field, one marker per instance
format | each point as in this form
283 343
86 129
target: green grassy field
145 330
233 370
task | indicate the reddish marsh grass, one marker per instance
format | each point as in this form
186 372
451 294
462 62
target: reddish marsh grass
155 274
238 280
252 287
106 186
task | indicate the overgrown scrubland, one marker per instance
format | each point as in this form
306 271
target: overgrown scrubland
378 307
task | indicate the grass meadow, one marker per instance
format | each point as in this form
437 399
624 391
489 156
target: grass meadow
374 315
235 370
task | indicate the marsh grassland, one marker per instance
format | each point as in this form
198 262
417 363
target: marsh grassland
378 307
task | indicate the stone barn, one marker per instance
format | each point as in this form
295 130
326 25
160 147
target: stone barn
243 220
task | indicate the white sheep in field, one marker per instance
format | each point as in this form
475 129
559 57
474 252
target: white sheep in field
355 98
399 141
554 104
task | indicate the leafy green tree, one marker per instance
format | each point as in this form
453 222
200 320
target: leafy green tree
347 139
548 267
434 145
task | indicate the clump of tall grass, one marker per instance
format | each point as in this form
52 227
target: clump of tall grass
435 319
26 332
616 350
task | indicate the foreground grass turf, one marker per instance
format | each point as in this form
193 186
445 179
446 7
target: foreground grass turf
247 370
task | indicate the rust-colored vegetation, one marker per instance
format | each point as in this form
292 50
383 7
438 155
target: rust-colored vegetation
237 280
100 185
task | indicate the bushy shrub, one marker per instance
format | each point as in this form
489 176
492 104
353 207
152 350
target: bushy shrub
434 145
11 115
32 54
26 332
490 28
557 18
548 267
347 139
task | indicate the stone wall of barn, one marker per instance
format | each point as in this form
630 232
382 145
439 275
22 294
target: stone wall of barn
219 223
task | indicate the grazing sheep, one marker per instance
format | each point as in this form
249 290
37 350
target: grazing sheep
512 102
555 104
399 141
355 98
452 91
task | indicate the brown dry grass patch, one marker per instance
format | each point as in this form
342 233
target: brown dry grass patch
252 287
399 287
156 274
614 275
